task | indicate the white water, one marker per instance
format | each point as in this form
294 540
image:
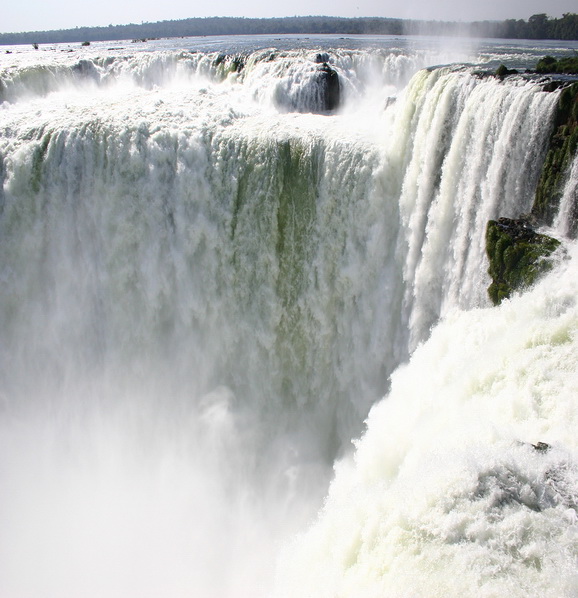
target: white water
563 222
445 495
204 290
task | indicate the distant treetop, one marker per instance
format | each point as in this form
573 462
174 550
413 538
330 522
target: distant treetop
538 26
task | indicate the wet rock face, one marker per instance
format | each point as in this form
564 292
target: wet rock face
315 88
321 58
562 148
330 88
518 256
502 71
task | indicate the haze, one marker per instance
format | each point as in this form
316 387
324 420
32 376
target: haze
36 15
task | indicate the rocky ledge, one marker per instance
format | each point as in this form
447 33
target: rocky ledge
518 255
561 151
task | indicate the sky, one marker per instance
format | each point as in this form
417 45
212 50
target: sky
36 15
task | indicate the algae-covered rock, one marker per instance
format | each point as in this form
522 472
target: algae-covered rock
518 256
503 71
567 65
226 64
562 149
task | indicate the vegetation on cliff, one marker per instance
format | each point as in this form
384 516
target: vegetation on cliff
518 256
549 65
561 151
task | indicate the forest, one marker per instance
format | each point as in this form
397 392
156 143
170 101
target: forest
538 26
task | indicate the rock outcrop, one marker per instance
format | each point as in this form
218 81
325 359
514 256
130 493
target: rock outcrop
330 89
561 151
518 255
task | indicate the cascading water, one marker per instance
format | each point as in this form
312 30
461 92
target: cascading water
465 483
205 285
569 199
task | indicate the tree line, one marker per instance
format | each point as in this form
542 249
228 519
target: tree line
538 26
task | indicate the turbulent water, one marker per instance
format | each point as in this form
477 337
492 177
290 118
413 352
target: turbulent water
209 273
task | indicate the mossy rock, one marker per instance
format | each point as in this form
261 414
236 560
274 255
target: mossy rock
227 64
518 256
566 66
546 65
503 71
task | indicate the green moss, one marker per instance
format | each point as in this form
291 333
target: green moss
561 151
549 65
546 64
38 162
299 167
225 64
299 174
518 256
503 71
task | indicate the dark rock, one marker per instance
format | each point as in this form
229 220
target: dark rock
502 71
549 64
562 148
329 88
238 64
546 65
518 256
86 69
554 85
542 447
319 91
226 64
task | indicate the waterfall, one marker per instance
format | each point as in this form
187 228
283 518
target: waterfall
207 279
468 465
563 222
